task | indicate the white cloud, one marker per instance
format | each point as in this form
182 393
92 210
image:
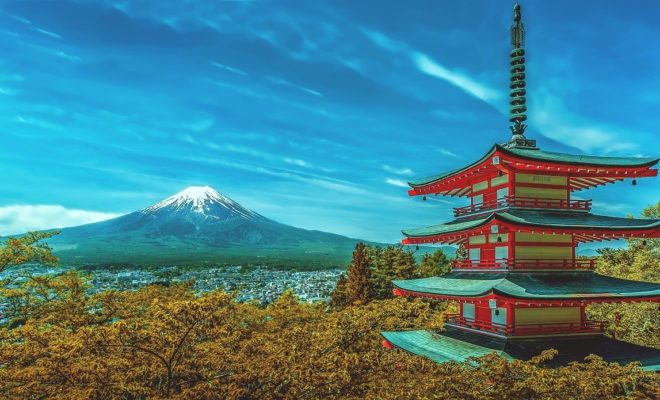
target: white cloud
18 219
228 68
396 182
384 41
284 82
47 33
297 161
398 171
448 153
430 67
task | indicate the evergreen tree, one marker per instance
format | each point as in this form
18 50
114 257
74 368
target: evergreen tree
358 284
461 252
435 264
393 262
338 298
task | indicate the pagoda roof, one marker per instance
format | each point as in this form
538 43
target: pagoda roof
532 286
559 221
458 345
607 169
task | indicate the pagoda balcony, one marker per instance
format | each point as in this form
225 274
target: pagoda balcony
524 264
524 202
588 326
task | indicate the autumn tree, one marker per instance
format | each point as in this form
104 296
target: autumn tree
640 260
169 343
25 249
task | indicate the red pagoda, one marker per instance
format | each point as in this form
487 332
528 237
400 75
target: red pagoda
521 288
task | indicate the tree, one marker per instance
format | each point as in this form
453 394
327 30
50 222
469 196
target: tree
638 323
434 264
339 297
392 262
461 252
167 342
358 284
25 249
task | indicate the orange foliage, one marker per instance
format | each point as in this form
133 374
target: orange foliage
168 343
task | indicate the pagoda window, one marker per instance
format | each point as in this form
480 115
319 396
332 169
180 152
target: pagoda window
502 193
501 252
468 310
498 316
475 255
478 199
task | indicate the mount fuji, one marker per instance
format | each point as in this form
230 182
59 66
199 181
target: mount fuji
199 226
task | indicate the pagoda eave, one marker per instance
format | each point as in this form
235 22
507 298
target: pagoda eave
505 300
582 235
460 345
499 160
584 227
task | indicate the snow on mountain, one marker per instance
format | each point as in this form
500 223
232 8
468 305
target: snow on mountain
202 200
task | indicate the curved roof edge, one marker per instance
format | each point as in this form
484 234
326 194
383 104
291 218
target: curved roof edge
531 286
549 219
546 156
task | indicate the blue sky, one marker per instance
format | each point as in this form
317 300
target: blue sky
310 113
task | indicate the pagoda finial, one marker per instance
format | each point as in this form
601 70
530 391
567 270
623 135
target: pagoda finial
517 95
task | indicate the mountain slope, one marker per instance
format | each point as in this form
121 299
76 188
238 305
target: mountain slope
199 226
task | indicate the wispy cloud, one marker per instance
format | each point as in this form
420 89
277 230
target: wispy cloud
425 64
46 32
398 171
396 182
18 219
39 123
199 125
553 119
284 82
433 68
66 56
384 41
20 19
228 68
297 161
8 91
448 153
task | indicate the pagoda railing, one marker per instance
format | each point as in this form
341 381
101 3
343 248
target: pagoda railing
588 326
524 202
524 264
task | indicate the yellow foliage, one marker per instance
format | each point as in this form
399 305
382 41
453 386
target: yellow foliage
168 343
28 248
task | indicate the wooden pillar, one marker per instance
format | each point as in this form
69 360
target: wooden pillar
510 314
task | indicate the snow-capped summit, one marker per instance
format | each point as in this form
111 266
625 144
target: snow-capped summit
203 200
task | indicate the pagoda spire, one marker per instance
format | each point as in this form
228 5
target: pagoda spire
517 94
